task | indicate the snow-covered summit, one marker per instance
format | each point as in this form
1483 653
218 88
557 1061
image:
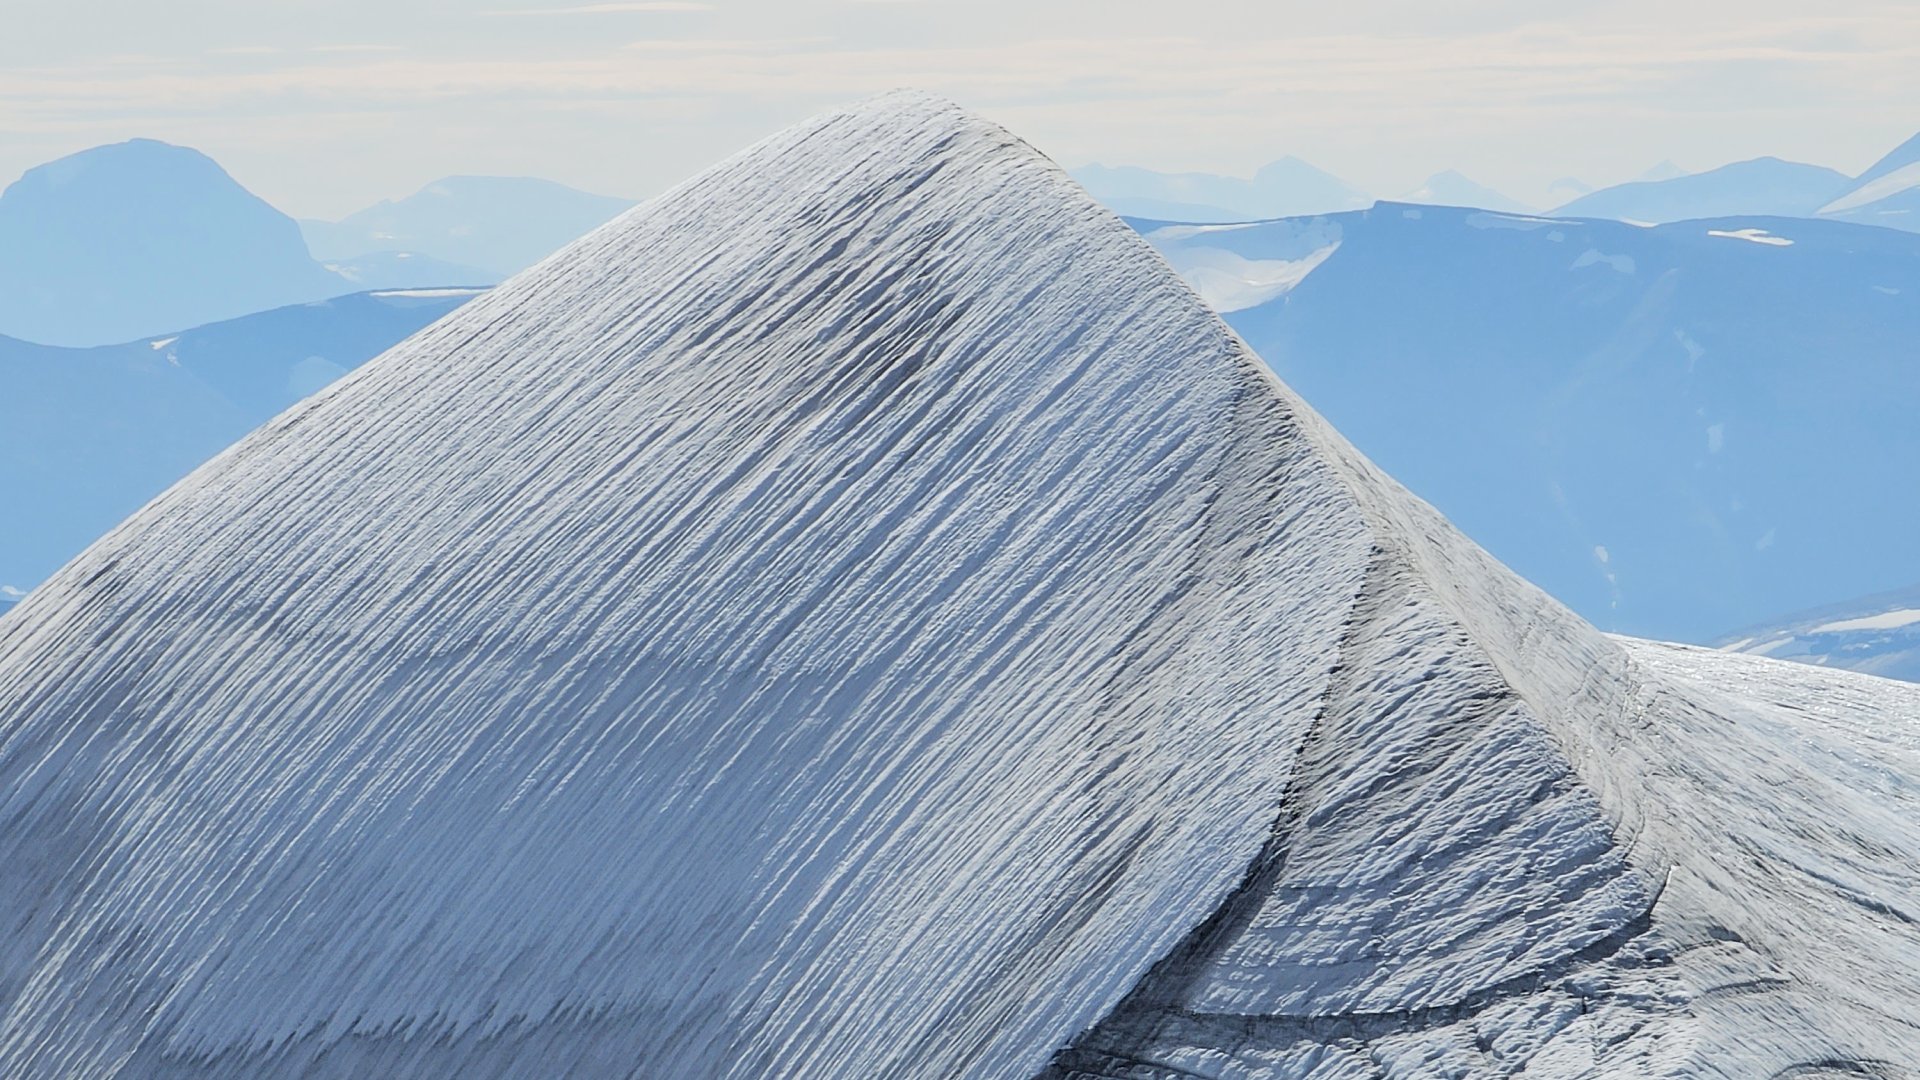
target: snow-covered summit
860 615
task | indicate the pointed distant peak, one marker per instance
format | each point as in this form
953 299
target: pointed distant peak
1571 186
1291 165
1454 188
1666 170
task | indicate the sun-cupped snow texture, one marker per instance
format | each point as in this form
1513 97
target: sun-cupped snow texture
859 616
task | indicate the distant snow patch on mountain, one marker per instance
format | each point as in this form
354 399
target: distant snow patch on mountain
1755 236
1879 635
1890 620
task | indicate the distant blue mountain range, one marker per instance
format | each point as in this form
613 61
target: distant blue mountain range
89 435
1767 187
143 238
500 224
1676 430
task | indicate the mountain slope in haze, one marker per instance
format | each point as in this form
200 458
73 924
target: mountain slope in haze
861 616
1673 430
1451 188
1282 188
499 224
1879 635
142 237
406 270
1887 194
1763 187
88 435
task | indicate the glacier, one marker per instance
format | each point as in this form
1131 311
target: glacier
859 615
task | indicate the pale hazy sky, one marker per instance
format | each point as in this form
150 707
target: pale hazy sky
323 106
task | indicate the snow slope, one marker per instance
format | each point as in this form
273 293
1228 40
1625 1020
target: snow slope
860 615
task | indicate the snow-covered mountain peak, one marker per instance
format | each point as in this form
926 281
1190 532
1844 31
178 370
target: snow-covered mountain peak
859 615
878 469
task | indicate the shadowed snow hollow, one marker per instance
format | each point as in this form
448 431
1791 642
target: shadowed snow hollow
859 615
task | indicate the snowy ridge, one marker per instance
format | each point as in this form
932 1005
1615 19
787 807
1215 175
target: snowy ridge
859 615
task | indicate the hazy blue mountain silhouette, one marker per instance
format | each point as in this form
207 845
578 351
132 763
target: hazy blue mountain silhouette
1570 187
406 270
1666 170
1451 188
1877 634
1764 186
1674 430
142 237
89 435
494 223
1887 194
1282 188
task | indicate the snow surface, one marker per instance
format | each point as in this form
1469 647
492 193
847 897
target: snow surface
859 615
